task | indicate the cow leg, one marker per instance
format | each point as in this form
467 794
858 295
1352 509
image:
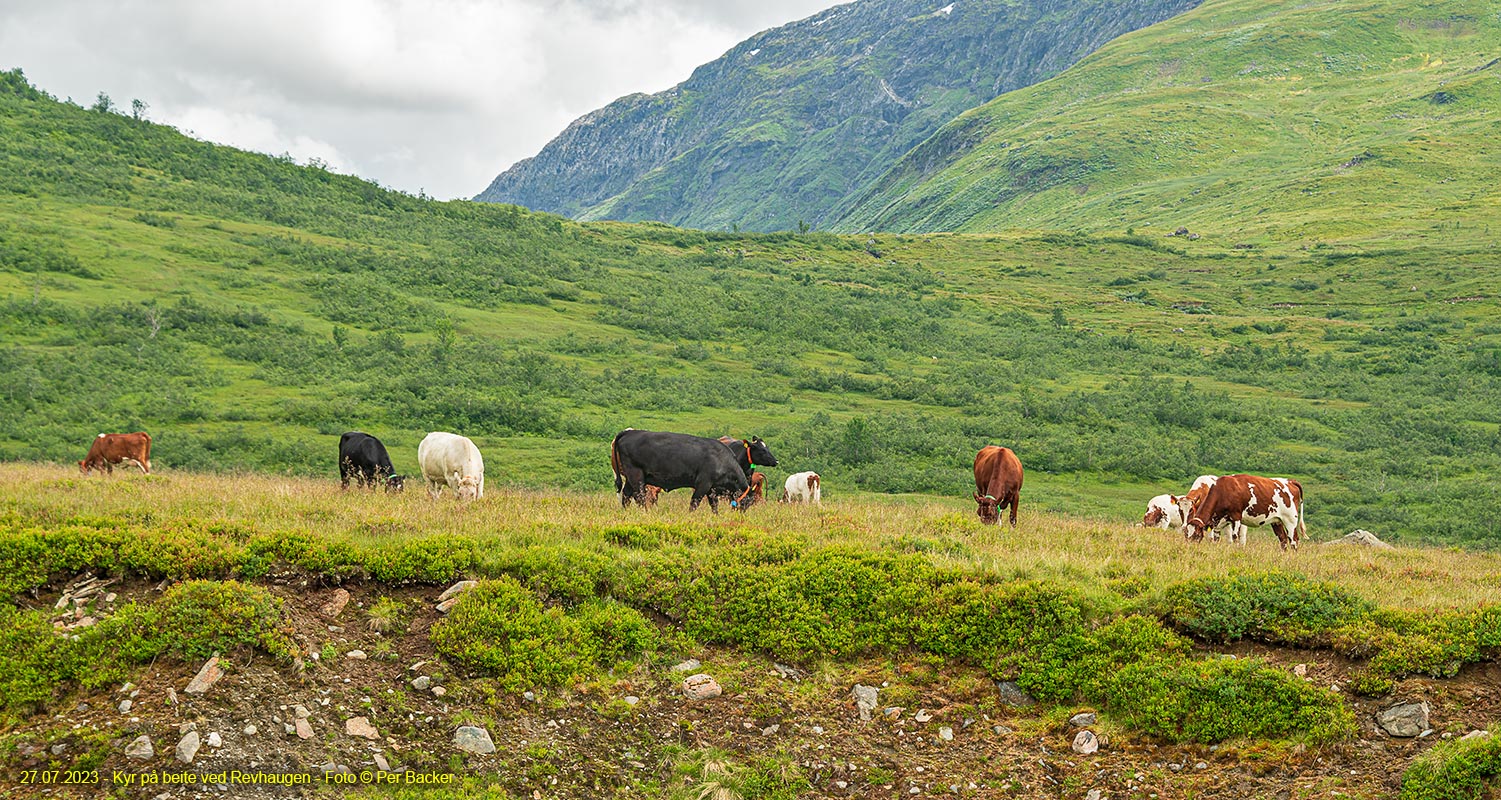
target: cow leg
1281 531
698 496
434 489
1013 499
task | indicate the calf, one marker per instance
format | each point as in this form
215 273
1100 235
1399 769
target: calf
1241 500
109 449
447 459
363 458
802 487
998 483
1168 512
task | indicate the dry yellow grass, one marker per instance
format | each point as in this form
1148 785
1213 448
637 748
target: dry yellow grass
1088 554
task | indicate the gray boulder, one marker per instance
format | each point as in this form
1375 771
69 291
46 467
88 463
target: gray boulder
1404 720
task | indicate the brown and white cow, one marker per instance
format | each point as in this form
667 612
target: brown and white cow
1241 500
802 487
998 483
1170 511
109 449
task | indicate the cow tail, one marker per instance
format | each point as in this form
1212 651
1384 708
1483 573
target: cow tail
615 463
1300 531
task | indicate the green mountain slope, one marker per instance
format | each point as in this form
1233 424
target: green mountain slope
246 311
788 123
1245 121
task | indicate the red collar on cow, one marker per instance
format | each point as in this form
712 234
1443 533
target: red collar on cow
747 451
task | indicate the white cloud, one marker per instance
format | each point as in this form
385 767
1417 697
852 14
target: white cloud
438 95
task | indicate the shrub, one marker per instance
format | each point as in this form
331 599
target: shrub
1457 770
194 620
1271 607
500 629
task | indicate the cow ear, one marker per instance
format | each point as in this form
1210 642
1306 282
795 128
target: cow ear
977 497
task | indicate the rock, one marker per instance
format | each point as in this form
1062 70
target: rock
788 673
171 696
1012 695
188 747
686 666
473 740
1363 538
946 733
58 749
303 729
336 604
1201 765
215 740
439 691
127 688
357 655
140 748
421 683
1474 735
125 706
380 762
300 711
447 604
111 597
1404 719
530 697
865 699
1301 670
251 730
818 730
923 715
207 676
456 590
631 699
701 687
1083 719
360 726
1092 794
1085 743
893 712
771 729
1001 730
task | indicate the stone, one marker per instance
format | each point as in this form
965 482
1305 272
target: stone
456 590
336 604
865 699
357 655
701 687
111 597
1085 743
1301 670
923 715
380 762
421 683
300 711
171 696
1474 735
251 730
125 706
58 749
1201 765
360 726
1012 695
1362 538
1083 719
215 740
893 712
187 747
140 748
946 733
1001 730
303 729
771 729
631 699
439 691
473 740
1092 794
207 676
1404 720
127 688
530 697
686 666
449 603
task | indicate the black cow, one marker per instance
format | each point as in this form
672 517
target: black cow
750 451
364 458
676 461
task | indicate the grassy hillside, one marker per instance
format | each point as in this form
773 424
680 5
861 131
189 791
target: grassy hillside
247 310
1365 122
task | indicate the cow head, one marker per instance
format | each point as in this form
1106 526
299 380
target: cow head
760 453
83 466
989 510
652 493
1153 516
1193 530
468 488
396 483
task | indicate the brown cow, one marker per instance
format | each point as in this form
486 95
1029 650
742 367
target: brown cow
109 449
652 493
998 483
757 489
1239 500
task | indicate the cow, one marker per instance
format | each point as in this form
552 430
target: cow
109 449
757 489
652 493
750 451
802 487
447 459
998 483
677 461
1167 511
363 458
1239 500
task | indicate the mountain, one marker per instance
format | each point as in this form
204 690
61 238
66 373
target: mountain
1321 121
787 124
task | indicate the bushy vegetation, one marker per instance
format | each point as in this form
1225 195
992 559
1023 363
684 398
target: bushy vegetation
1458 770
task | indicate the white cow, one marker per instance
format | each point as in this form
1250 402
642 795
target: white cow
802 487
1169 512
447 459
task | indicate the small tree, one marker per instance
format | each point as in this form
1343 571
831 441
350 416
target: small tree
138 109
103 104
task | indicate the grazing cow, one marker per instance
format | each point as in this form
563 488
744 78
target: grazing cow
750 451
447 459
998 483
109 449
363 458
802 487
676 461
757 489
1168 511
652 493
1240 500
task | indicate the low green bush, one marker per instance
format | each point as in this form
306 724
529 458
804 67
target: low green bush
1457 770
1271 607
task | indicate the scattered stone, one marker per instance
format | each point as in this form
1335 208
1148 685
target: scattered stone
1363 538
300 711
1201 765
701 687
818 730
251 730
1001 730
788 673
188 747
1404 719
923 715
1085 743
421 683
439 691
865 699
140 748
215 740
417 666
184 727
336 604
530 697
111 597
1083 719
125 706
380 762
357 655
303 729
1092 794
473 740
631 699
771 729
207 676
893 712
171 696
360 726
456 590
59 749
946 733
290 728
687 666
127 688
1012 695
1474 735
447 604
1301 670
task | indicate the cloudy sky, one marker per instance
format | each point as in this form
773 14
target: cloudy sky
432 95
